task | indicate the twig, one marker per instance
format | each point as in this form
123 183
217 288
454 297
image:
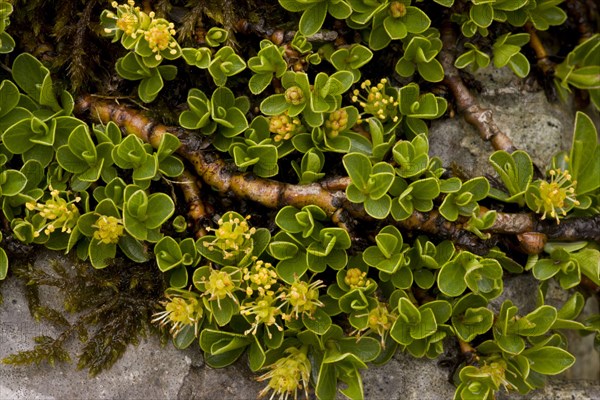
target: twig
224 177
543 61
209 166
197 212
335 183
469 352
481 118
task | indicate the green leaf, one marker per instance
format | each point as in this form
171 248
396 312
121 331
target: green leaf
150 87
223 310
101 253
31 75
379 208
9 97
312 19
431 71
259 82
416 20
511 344
185 337
217 342
584 158
256 355
589 263
14 182
519 65
274 105
358 167
482 14
549 360
395 28
451 280
3 264
545 269
318 323
160 208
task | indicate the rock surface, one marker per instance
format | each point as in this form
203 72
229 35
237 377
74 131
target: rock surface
150 371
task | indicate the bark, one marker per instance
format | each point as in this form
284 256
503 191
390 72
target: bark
543 61
328 195
197 212
467 104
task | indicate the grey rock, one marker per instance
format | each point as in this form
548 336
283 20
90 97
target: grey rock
147 371
533 124
150 371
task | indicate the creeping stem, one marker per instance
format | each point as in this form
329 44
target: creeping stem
197 212
209 166
328 195
543 61
481 118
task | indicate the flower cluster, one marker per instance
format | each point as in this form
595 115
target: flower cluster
260 277
377 102
220 284
294 95
182 308
132 25
265 311
336 123
160 37
397 9
556 196
232 236
496 370
355 278
288 374
128 20
56 212
108 229
379 320
284 126
302 297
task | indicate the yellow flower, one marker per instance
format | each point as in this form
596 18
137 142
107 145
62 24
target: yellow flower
182 308
128 23
556 196
260 277
336 123
220 285
232 236
128 19
397 9
160 37
287 375
109 229
377 102
355 278
284 126
379 320
303 297
264 311
294 95
56 213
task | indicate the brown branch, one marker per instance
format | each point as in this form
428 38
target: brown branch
481 118
582 228
335 183
433 223
197 212
210 167
543 61
225 178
